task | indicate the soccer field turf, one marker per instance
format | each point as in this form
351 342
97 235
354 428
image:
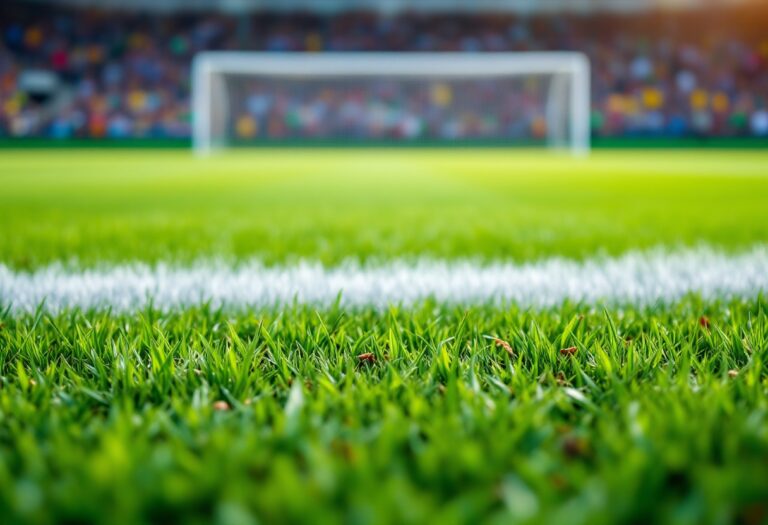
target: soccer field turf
330 205
194 360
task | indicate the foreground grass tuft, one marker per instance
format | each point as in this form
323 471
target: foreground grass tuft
571 415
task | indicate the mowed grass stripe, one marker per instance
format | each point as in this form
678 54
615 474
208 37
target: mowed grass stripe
634 279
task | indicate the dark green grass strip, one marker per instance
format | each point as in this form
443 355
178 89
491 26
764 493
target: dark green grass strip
597 143
658 415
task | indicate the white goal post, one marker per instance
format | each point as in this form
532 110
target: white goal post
566 97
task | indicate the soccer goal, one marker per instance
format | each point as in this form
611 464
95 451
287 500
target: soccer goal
529 98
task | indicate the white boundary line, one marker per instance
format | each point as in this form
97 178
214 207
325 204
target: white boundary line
635 279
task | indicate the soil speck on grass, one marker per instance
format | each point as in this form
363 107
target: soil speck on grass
221 406
574 447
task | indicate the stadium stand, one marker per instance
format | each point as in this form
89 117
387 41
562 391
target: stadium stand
82 72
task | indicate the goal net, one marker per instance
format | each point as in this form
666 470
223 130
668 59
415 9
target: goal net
243 98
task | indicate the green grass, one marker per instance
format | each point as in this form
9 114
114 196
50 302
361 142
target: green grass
278 205
111 418
660 415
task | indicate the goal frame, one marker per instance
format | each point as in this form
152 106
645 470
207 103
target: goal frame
564 65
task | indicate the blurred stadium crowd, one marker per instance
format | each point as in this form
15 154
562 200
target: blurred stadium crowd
119 75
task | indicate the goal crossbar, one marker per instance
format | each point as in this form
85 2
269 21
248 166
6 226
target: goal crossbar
572 65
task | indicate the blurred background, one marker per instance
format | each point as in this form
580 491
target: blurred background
108 69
